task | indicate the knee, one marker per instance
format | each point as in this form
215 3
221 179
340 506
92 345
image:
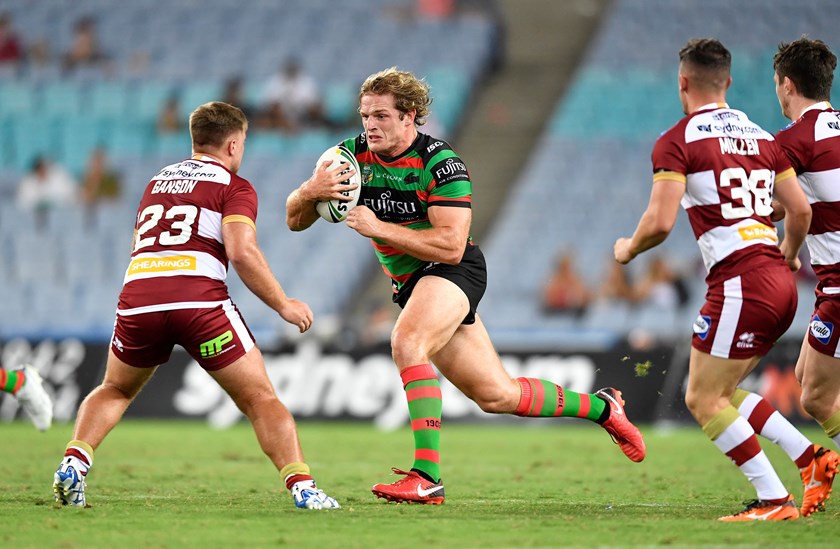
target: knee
815 405
695 404
408 348
120 391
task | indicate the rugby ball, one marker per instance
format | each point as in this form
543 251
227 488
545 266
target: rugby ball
336 210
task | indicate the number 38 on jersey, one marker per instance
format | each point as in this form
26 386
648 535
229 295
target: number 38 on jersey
751 193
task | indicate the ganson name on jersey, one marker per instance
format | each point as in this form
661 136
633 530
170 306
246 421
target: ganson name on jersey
176 186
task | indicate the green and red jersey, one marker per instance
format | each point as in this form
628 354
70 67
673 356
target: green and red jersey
403 188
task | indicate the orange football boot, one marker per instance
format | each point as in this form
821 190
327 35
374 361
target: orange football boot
764 510
817 478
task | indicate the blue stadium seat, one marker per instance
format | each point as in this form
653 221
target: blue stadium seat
17 98
63 98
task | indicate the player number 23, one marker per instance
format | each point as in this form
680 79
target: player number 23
180 230
754 191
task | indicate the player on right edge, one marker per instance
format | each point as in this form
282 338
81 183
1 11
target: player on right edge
803 72
725 170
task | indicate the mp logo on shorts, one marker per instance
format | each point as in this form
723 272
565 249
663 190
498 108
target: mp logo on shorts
821 330
215 346
701 326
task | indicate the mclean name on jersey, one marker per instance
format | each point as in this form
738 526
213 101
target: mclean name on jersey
176 186
730 145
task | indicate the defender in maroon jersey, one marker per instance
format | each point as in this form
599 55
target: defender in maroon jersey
803 72
725 170
415 206
195 217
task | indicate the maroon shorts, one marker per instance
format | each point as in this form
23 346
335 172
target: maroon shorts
215 337
824 330
745 315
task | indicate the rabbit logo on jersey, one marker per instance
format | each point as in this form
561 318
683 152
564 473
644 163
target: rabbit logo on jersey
821 330
701 326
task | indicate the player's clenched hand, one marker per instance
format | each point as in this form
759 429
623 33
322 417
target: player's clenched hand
791 259
363 221
622 251
297 313
778 211
326 184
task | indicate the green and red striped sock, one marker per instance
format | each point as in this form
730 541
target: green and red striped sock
422 389
11 381
541 398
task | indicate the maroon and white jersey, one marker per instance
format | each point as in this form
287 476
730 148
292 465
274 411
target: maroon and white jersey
729 166
812 144
179 259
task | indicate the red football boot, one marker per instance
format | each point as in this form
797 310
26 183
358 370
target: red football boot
410 489
623 433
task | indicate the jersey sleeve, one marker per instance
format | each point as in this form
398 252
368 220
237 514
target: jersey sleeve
450 183
240 203
781 163
794 148
669 158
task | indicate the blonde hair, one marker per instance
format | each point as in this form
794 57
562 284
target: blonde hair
410 93
212 123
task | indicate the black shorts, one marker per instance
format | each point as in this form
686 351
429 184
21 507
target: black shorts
470 275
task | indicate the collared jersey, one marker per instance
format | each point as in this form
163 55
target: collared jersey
729 166
812 143
179 260
402 189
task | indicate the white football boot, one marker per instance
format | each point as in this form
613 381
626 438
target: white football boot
308 496
34 399
69 482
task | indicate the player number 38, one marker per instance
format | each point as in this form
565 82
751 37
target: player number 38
180 229
754 191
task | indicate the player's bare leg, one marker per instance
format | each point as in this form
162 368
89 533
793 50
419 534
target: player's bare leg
711 384
471 363
817 373
432 315
247 383
100 411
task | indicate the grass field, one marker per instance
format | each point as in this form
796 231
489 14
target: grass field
182 484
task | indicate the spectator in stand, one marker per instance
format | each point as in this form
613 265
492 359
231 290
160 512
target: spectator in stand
101 182
47 185
170 119
11 52
616 286
85 50
292 100
234 94
661 287
566 292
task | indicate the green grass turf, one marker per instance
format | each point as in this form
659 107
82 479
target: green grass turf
528 484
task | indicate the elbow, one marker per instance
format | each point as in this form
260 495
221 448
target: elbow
660 231
240 256
453 259
800 219
292 224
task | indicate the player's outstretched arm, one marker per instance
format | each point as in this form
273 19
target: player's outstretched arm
797 218
246 257
322 186
656 223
